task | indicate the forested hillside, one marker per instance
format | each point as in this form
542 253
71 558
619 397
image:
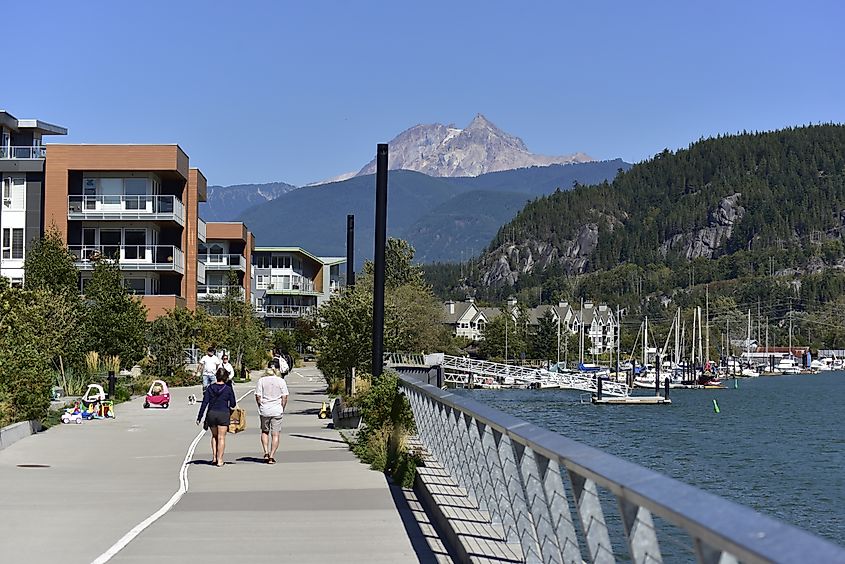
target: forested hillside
757 217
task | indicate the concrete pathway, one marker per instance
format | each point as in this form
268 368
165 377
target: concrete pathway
104 478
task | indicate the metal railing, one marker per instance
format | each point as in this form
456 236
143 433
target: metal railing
215 291
273 310
147 207
200 272
201 230
544 490
223 261
304 285
17 152
130 257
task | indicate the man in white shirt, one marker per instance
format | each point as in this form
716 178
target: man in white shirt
228 367
271 395
208 366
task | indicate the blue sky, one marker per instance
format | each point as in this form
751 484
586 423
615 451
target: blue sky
300 91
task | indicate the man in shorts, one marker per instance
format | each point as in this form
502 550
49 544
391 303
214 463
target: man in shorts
208 366
271 395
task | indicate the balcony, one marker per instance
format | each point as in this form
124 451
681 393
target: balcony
201 230
288 310
218 292
200 272
224 262
130 257
148 207
304 286
23 153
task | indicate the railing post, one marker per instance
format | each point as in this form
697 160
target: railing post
639 530
510 456
592 519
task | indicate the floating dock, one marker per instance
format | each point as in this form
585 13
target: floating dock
632 400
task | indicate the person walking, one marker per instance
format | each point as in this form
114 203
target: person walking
271 395
219 401
208 366
228 367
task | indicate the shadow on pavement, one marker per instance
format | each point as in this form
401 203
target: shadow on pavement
410 520
254 459
318 438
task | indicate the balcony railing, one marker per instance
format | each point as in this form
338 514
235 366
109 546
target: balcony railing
130 257
304 286
200 272
201 230
550 494
148 207
273 310
224 262
217 292
36 152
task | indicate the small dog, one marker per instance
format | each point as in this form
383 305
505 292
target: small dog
192 399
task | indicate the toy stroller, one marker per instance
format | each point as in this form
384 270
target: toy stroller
158 394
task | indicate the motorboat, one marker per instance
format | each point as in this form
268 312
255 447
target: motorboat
787 365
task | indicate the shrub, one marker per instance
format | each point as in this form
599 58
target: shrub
388 420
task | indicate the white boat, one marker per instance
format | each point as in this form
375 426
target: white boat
787 365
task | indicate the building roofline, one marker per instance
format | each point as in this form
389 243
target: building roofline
322 260
42 126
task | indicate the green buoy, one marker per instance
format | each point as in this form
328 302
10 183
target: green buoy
715 406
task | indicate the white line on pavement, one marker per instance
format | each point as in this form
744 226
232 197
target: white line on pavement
183 488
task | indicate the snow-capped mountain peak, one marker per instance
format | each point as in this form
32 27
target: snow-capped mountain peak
445 150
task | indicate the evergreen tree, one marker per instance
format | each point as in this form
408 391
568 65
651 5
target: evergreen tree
544 342
49 265
115 321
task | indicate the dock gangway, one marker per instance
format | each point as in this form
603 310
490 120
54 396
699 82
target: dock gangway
507 373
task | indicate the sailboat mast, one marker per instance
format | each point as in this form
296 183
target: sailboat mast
707 320
678 337
692 357
700 351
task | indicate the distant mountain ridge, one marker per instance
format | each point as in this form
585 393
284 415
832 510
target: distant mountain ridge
226 203
445 219
447 151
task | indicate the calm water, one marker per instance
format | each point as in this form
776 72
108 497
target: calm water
777 446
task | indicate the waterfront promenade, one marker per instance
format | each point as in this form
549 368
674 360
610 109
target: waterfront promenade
104 478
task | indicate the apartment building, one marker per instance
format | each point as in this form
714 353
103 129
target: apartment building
291 282
22 156
136 203
226 247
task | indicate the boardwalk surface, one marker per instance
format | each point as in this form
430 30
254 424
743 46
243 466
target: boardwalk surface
104 478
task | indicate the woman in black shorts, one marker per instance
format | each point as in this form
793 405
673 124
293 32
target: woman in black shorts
220 401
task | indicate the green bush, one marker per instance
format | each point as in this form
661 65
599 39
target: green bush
388 420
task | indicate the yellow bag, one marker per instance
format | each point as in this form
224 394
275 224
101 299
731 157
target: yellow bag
237 420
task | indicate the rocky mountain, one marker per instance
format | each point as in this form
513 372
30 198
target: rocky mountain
445 219
226 203
479 148
729 205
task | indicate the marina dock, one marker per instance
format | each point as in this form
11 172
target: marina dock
631 400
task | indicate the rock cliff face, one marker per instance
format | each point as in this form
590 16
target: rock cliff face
706 242
505 264
445 150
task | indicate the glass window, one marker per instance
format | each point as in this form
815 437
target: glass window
135 190
111 189
14 193
17 243
134 242
136 286
7 243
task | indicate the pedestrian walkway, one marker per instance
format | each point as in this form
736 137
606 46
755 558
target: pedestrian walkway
102 479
